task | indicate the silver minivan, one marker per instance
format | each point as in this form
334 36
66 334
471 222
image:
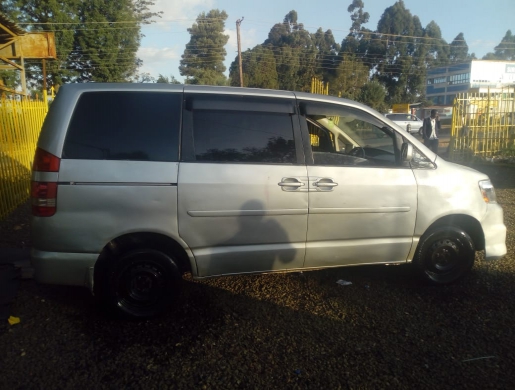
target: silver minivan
134 185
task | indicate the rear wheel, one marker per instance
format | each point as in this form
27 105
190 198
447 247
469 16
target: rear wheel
142 283
444 255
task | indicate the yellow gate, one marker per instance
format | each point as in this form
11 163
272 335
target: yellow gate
20 124
483 125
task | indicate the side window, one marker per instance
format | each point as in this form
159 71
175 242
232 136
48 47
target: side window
141 126
346 136
239 130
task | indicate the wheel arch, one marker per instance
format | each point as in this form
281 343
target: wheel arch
468 224
132 241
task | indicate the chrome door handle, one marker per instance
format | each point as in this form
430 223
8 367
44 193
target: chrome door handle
324 184
290 184
283 184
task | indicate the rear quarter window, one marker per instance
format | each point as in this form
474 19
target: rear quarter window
140 126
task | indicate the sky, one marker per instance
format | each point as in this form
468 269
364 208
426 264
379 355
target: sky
483 23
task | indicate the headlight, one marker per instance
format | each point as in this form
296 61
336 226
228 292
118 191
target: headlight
488 191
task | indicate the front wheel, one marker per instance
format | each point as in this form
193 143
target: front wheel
444 255
142 283
421 131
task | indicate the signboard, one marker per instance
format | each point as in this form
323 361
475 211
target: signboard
31 46
401 108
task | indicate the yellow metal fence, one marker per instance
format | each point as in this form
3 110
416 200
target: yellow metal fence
483 125
20 123
318 86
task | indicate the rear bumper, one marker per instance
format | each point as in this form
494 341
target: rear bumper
495 233
72 269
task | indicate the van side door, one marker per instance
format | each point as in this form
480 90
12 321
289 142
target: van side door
242 192
362 197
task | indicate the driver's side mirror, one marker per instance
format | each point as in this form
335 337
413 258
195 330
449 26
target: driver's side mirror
406 152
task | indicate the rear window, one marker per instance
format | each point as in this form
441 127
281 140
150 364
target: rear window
140 126
397 117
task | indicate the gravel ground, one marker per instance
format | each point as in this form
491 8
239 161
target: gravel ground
299 330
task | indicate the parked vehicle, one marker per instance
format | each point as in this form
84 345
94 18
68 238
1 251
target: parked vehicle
136 184
410 123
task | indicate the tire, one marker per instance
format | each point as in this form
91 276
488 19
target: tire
444 255
421 131
141 283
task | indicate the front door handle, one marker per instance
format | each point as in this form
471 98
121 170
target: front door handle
324 184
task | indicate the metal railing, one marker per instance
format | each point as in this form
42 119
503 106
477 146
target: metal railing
483 125
318 86
20 124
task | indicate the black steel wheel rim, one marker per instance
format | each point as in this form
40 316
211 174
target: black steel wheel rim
141 285
444 256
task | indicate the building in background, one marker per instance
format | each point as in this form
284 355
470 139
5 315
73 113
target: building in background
480 76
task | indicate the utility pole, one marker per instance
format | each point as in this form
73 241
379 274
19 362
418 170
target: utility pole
238 23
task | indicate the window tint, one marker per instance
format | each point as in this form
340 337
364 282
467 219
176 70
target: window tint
142 126
243 136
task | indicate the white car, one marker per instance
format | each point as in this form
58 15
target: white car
410 123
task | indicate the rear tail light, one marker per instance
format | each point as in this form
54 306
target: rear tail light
44 198
44 194
45 162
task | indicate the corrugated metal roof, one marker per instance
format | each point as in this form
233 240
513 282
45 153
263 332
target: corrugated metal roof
9 25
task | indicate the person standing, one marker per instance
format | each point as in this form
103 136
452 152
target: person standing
431 129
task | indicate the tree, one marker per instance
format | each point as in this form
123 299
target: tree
351 76
30 14
504 50
295 53
203 58
351 43
165 80
9 78
326 54
107 52
259 69
95 40
373 95
143 78
394 53
401 50
438 53
459 50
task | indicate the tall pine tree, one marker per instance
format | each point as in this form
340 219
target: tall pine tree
504 50
459 50
295 53
203 58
